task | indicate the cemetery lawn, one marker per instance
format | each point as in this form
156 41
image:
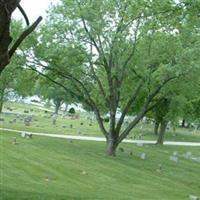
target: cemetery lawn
56 169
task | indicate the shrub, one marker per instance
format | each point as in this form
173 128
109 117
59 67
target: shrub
71 110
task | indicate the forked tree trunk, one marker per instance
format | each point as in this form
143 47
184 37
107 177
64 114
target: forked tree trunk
163 126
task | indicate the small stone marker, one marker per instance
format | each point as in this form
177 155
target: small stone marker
84 173
26 135
187 155
79 133
23 134
174 158
143 156
159 168
175 153
193 197
140 144
14 141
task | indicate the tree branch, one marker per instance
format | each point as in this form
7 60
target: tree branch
21 38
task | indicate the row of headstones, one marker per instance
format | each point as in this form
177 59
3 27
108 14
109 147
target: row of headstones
188 155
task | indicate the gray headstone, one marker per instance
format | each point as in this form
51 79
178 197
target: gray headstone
173 158
143 156
175 153
140 144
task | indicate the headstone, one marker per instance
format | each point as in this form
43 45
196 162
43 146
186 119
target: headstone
187 155
23 134
18 116
14 141
29 136
143 156
175 153
14 120
84 173
71 126
130 153
140 144
174 158
54 118
79 133
193 197
26 135
140 137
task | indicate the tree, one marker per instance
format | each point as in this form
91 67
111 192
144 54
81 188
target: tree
116 54
6 52
51 91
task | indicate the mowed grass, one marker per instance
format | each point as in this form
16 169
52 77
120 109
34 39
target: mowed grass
58 169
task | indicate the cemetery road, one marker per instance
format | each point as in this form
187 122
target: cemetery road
101 139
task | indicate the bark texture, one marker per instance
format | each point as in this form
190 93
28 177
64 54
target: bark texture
6 9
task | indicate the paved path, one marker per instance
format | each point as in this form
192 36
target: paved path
101 139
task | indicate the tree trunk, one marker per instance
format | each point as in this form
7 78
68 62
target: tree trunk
111 148
66 107
2 99
156 127
183 123
1 106
57 105
163 126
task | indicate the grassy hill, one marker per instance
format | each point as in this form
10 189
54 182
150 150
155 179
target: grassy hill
55 169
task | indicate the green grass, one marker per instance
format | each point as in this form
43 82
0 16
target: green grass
80 171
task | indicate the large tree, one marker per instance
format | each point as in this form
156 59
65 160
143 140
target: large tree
116 54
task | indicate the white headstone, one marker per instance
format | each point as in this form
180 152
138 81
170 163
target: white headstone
23 134
193 197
